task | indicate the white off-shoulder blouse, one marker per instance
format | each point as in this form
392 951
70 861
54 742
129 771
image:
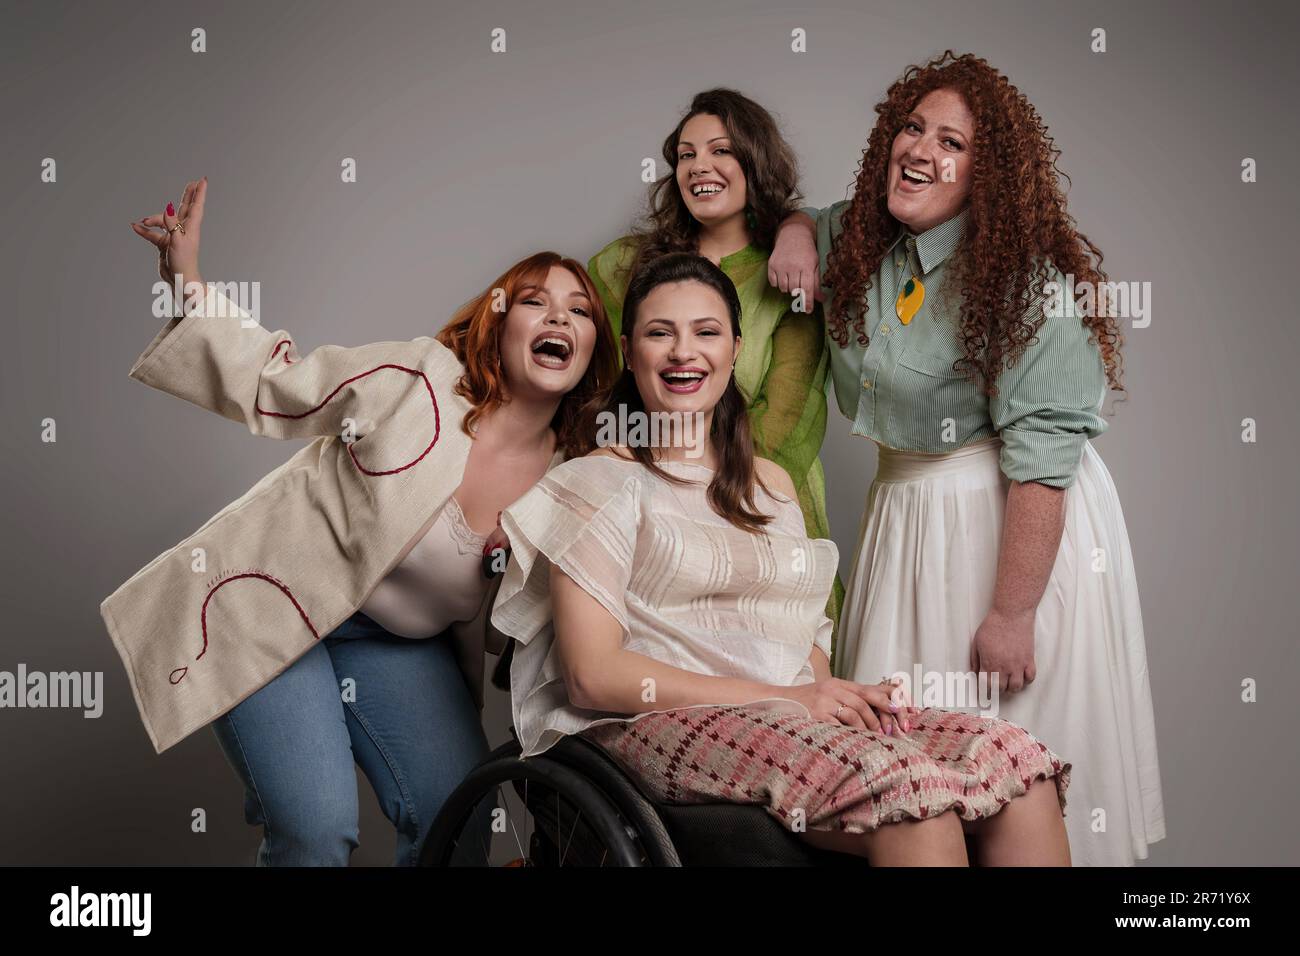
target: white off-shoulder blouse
688 588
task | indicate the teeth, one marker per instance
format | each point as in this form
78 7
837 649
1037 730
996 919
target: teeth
550 340
917 177
706 189
686 375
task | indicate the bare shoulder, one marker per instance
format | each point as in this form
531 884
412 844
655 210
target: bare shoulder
775 477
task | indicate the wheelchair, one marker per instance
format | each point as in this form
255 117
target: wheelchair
574 806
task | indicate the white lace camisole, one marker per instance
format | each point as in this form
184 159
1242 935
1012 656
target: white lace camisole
439 582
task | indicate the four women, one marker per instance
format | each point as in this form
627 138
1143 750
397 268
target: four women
665 605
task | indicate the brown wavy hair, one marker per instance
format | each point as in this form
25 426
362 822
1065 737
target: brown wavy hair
474 335
731 491
1017 228
771 179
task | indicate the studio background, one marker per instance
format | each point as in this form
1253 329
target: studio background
468 160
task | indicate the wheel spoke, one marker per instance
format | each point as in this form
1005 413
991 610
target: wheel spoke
522 854
576 817
487 852
540 839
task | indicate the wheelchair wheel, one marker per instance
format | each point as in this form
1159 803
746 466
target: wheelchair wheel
557 809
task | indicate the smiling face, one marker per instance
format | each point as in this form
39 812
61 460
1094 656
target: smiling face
709 176
930 163
682 349
548 337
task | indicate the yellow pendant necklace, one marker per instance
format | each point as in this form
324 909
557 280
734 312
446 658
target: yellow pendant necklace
909 300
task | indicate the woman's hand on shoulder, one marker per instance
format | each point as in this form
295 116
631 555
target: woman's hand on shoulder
794 263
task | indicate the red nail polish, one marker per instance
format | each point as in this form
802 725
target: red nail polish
171 211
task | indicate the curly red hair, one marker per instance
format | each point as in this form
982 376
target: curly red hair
1017 228
474 335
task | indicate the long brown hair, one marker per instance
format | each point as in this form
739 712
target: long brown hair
474 335
731 491
1018 223
771 179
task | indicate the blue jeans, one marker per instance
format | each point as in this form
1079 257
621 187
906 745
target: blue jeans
412 728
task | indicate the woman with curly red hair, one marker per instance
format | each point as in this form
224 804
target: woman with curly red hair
993 539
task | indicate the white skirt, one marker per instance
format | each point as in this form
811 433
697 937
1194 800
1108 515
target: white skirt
922 582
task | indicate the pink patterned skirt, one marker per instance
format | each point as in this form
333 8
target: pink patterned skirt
841 778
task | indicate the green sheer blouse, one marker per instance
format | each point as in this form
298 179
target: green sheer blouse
781 371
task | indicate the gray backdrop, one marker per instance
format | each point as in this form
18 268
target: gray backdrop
467 161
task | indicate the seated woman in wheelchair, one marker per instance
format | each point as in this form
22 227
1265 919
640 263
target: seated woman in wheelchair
669 607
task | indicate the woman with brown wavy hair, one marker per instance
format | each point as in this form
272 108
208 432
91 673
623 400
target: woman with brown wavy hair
993 540
340 619
732 179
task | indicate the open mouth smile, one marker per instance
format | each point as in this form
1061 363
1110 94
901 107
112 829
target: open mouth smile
553 350
913 180
683 379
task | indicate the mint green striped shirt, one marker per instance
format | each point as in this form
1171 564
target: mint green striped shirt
901 390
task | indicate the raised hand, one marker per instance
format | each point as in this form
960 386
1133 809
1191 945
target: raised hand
175 234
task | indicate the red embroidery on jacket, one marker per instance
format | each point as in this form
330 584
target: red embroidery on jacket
437 416
179 673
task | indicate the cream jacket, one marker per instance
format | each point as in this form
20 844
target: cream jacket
213 619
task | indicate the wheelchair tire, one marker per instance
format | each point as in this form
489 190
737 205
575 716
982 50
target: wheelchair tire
587 758
603 819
